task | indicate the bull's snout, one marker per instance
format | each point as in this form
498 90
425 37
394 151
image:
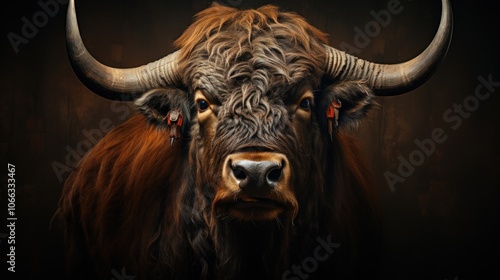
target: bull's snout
256 173
256 185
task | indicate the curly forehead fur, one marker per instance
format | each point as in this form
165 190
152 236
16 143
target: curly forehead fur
269 49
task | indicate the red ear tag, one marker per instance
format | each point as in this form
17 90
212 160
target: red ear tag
332 115
174 124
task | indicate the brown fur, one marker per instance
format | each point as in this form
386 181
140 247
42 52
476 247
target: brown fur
249 23
120 197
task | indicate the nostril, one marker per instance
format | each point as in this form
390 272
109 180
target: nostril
274 175
239 174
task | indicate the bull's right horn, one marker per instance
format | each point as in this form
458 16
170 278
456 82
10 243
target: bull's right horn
116 83
394 79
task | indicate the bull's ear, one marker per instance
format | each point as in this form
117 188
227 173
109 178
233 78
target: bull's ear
355 99
156 105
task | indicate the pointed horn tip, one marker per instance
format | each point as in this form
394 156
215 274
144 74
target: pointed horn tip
395 79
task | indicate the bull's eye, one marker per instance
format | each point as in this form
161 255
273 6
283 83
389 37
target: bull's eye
202 105
305 104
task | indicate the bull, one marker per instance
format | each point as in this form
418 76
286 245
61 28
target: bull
239 163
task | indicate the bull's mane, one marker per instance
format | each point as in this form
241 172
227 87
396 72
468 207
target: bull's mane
117 196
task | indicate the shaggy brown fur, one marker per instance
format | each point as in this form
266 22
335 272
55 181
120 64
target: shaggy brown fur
122 208
138 203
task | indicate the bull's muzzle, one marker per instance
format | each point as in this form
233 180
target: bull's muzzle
256 174
256 185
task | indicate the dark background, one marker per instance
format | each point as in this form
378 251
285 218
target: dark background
442 222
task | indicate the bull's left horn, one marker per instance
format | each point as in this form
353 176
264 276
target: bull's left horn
394 79
116 83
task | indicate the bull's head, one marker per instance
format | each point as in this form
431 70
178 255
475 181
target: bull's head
260 92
